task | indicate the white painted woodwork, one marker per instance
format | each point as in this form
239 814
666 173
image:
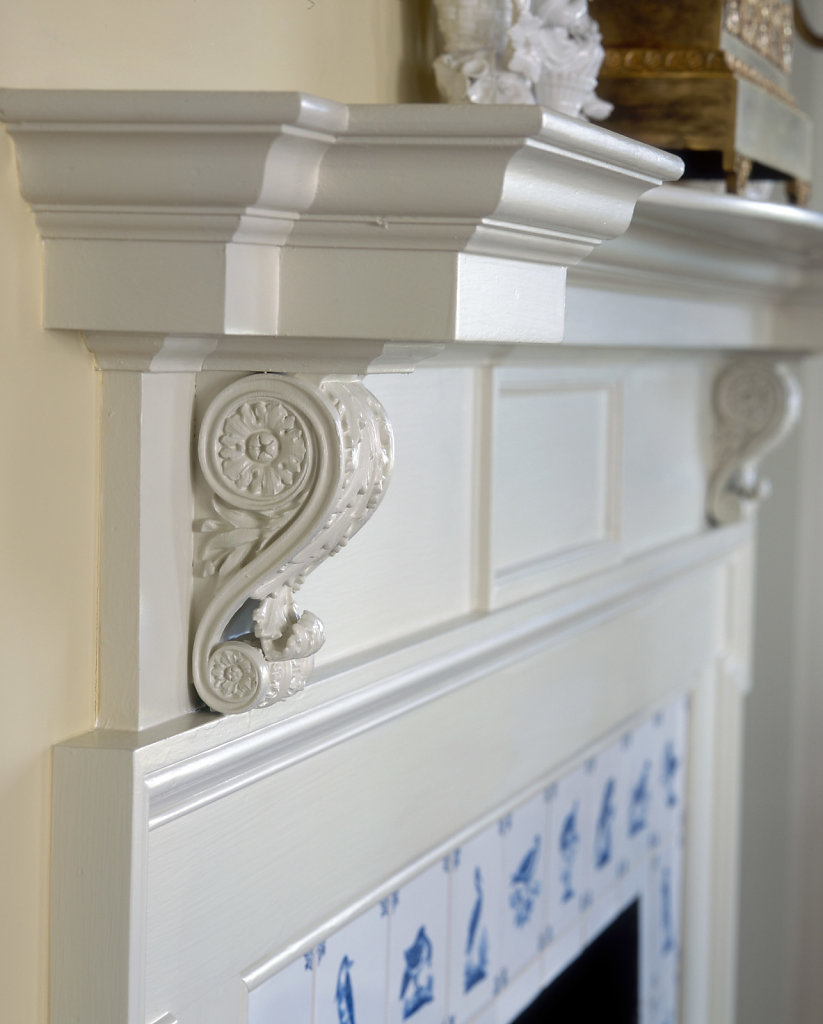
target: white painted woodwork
265 202
742 275
562 519
540 573
432 551
216 906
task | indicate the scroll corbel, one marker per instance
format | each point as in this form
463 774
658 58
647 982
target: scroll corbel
294 469
756 404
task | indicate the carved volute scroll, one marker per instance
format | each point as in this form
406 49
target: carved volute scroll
756 404
294 470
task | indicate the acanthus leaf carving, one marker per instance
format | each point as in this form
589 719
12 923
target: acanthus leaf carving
294 470
756 404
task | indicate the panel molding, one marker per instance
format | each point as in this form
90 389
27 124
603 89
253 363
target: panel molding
379 689
560 563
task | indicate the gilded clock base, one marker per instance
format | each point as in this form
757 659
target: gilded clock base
709 109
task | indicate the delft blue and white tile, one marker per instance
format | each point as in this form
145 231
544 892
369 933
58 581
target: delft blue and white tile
675 763
524 914
603 912
649 965
632 888
668 940
669 769
557 956
286 996
418 930
519 993
609 850
570 839
350 972
640 827
476 921
488 1015
662 934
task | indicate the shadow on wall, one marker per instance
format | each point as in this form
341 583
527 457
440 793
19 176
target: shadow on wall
415 77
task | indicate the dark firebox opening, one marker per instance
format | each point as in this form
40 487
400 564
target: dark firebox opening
601 985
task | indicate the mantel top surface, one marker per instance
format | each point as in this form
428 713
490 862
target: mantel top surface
51 110
787 233
225 214
219 218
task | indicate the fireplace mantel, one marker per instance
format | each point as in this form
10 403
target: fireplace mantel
212 217
282 218
600 359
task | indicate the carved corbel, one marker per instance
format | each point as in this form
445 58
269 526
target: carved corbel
756 404
294 469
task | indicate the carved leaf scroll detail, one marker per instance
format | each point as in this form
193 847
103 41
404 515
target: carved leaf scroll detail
756 404
294 469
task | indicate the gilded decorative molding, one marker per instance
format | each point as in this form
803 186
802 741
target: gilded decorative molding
638 60
766 26
635 61
756 404
294 470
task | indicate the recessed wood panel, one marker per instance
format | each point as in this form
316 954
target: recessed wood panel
665 460
554 474
413 570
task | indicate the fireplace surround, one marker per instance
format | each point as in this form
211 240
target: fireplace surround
486 924
556 525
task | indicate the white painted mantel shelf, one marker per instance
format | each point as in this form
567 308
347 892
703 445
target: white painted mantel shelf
599 365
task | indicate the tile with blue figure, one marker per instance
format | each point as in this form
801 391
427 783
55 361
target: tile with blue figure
640 825
417 986
476 909
669 910
674 763
350 971
662 931
286 995
418 949
525 886
525 862
609 851
344 993
668 728
570 840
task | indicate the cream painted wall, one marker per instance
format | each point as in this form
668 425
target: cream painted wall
357 50
49 412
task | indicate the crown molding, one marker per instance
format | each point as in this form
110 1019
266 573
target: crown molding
214 216
690 241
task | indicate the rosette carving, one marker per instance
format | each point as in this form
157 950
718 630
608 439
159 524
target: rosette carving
756 404
294 470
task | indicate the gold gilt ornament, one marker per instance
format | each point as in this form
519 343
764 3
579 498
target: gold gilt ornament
708 79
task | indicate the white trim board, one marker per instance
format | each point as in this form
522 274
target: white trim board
257 798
